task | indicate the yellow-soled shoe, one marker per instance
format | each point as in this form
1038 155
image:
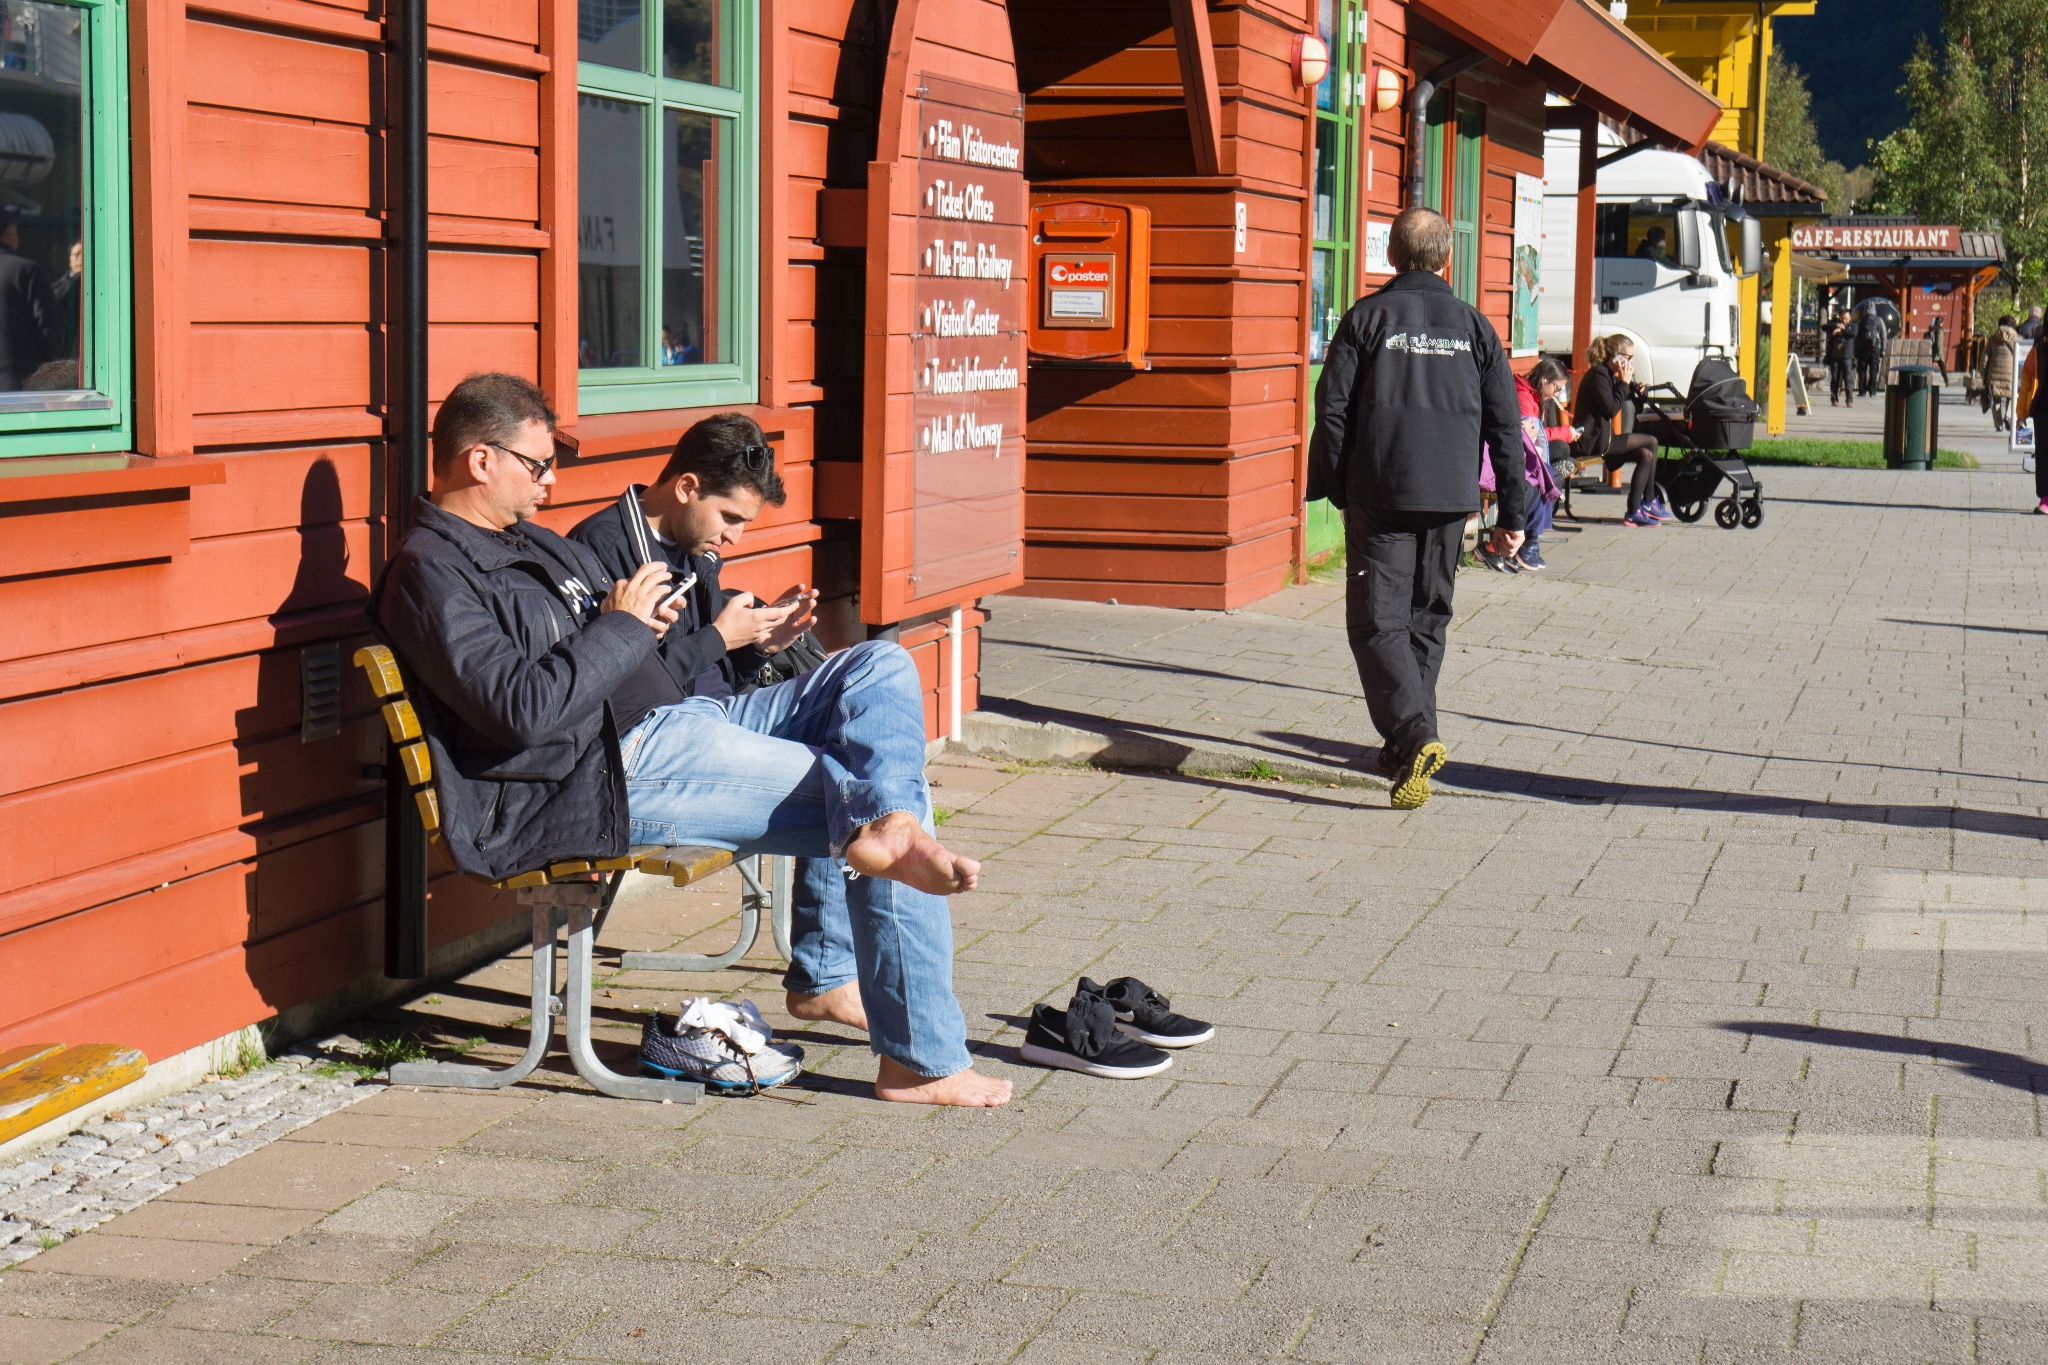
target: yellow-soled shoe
1413 788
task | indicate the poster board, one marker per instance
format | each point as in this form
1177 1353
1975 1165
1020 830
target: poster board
1377 238
1528 265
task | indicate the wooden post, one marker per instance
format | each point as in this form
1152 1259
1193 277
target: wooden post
1784 319
1588 223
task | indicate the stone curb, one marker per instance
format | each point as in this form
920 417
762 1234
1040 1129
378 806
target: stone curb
111 1166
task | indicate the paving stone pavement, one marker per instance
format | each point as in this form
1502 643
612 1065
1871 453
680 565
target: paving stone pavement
1695 1024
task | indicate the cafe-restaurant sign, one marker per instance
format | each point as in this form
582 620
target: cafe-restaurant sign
1905 238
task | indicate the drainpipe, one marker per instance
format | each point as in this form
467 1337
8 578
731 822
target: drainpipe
954 634
405 860
1418 112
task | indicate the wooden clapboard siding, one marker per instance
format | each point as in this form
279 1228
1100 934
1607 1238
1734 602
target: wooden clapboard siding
1175 485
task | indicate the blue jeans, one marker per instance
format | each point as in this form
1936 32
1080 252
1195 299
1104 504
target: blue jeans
797 768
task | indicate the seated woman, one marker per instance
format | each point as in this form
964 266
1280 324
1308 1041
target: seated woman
1543 446
1608 385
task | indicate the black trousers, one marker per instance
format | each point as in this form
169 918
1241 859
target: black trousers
1839 383
1397 611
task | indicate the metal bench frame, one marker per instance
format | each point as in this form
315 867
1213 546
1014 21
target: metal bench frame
575 894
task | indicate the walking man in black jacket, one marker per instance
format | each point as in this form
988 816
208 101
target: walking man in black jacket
558 732
1415 387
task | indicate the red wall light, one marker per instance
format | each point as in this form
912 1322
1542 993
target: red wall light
1311 60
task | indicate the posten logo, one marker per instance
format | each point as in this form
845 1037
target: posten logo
1063 273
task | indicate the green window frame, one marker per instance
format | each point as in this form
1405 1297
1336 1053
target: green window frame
97 416
729 262
1340 119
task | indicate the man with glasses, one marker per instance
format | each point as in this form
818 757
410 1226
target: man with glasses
558 731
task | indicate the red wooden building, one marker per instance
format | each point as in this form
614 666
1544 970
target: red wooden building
814 210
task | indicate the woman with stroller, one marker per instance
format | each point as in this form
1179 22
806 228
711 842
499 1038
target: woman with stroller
1609 384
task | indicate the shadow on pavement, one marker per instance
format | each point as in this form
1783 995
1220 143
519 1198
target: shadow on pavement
1481 777
1909 506
1987 1064
1963 625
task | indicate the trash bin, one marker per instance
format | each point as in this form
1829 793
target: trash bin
1912 408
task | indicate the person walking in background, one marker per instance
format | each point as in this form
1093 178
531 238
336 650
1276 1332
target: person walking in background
1602 394
2030 330
1835 349
69 292
2000 371
1871 339
1415 391
1935 343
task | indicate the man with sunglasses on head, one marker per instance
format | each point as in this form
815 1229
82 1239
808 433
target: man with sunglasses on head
560 730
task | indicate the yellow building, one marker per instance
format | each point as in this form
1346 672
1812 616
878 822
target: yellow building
1725 45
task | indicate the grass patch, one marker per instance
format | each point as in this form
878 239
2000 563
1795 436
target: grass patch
384 1051
941 814
1327 567
1836 454
335 1069
1260 771
463 1049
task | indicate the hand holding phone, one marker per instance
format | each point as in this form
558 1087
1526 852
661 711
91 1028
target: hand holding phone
673 602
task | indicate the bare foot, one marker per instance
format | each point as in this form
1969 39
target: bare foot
897 848
840 1005
970 1089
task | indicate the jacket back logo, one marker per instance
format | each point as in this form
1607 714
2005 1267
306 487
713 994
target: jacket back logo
1421 343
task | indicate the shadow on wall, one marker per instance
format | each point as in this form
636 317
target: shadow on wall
317 821
1983 1063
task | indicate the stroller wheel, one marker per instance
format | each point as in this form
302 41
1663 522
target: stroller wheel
1726 514
1753 513
1689 512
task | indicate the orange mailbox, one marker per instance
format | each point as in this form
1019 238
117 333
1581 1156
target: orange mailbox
1091 265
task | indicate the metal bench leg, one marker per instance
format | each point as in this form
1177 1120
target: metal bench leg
458 1075
781 896
752 898
576 1023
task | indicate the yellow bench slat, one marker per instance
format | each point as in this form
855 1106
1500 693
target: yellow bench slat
686 864
402 721
17 1057
429 807
418 763
382 668
59 1082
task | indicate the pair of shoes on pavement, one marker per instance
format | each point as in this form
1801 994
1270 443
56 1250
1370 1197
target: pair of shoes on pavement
1411 775
1496 562
1121 1031
728 1048
1531 558
1641 517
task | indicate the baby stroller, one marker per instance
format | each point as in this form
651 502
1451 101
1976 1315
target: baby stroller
1719 423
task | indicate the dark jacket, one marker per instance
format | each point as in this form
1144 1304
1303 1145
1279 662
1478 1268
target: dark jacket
29 326
686 654
1413 383
510 664
1599 398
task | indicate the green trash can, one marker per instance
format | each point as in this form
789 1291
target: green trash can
1912 418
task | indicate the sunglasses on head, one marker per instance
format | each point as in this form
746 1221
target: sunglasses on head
758 459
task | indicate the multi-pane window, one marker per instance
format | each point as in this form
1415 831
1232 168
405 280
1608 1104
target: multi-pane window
63 228
667 270
1340 119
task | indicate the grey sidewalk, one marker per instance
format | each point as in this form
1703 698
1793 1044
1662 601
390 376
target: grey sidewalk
1700 1029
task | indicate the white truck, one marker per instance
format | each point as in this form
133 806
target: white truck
1662 270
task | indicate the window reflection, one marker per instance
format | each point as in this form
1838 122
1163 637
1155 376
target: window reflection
689 40
692 212
608 143
608 33
43 178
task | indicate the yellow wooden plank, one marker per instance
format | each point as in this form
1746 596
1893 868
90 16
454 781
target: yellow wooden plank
56 1084
568 867
16 1057
524 879
382 668
419 764
430 809
401 720
686 864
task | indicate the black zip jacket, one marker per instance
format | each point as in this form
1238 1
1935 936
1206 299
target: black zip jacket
1599 398
686 655
1413 383
510 663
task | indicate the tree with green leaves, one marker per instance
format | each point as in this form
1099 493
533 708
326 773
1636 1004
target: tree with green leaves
1791 142
1976 150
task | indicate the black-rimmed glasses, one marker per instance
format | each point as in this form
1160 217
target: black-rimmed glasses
758 459
538 468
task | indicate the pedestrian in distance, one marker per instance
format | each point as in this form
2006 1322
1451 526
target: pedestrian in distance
1415 392
2001 371
1836 350
2030 330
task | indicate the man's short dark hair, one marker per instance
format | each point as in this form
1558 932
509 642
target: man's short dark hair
1655 234
483 409
727 450
1420 240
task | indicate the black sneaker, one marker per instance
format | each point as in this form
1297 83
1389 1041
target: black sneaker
1083 1037
1142 1013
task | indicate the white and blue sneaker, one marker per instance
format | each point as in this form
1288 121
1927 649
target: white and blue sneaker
716 1058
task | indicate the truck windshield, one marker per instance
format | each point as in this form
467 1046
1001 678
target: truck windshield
1641 230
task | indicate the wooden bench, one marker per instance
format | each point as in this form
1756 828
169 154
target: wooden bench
576 893
45 1081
